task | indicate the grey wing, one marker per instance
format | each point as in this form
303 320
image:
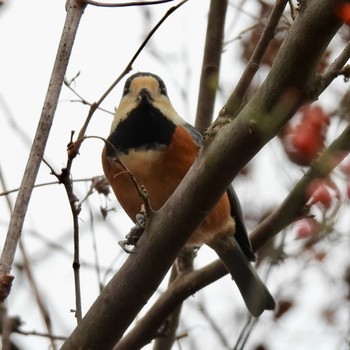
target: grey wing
196 135
241 234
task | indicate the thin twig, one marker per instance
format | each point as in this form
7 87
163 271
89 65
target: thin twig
213 325
20 132
65 178
42 307
139 187
125 4
292 206
293 11
242 32
167 331
94 248
334 70
126 70
235 100
40 334
244 335
68 84
27 266
44 184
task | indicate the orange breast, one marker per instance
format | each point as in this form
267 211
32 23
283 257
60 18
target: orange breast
160 171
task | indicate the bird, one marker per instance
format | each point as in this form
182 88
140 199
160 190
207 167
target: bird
157 146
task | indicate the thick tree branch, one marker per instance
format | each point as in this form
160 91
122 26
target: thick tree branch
211 64
75 9
272 106
205 107
188 284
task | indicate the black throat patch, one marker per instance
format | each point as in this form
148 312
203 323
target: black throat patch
144 128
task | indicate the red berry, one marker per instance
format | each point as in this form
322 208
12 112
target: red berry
348 189
319 191
343 12
306 228
345 167
304 141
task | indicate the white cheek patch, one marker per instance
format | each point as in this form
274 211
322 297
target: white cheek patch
126 105
165 106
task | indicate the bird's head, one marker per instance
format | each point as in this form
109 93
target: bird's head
142 90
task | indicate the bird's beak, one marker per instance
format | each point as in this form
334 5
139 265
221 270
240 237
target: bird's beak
145 96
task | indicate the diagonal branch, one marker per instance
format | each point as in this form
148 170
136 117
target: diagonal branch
334 70
237 96
292 206
188 284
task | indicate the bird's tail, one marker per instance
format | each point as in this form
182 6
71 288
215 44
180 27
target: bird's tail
254 292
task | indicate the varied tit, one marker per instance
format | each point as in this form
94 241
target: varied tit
159 147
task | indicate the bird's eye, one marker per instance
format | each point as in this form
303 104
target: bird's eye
127 87
162 90
126 90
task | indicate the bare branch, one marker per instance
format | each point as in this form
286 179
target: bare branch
234 102
28 269
5 193
75 10
211 64
334 70
17 128
125 4
167 332
68 84
40 334
292 206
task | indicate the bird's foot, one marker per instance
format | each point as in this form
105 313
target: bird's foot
135 233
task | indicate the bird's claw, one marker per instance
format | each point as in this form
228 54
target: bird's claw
141 219
135 233
123 244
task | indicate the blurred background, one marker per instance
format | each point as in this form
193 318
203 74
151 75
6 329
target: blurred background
307 267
